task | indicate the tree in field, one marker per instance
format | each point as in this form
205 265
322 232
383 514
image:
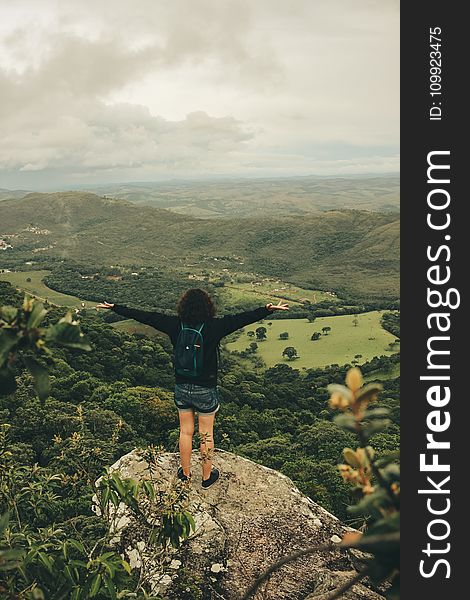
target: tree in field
261 333
326 330
251 334
356 359
284 335
253 347
315 336
290 353
355 321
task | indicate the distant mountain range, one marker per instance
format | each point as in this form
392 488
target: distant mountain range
350 251
253 197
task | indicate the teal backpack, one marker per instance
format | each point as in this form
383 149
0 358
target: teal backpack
189 351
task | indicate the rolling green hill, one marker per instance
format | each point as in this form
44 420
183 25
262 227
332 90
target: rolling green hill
348 251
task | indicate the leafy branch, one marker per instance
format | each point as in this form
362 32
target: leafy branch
22 335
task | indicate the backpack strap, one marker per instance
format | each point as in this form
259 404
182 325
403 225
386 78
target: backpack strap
183 326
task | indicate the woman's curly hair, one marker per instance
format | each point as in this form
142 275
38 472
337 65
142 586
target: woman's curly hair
195 306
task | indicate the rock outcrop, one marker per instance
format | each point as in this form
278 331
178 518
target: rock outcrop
246 521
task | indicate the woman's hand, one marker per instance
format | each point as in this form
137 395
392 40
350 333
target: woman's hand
104 305
279 306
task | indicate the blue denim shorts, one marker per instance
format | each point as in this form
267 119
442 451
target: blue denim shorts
203 400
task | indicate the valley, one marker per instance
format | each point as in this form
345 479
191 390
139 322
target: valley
338 269
349 252
350 337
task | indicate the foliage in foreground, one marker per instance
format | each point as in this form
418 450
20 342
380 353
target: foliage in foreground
21 334
74 559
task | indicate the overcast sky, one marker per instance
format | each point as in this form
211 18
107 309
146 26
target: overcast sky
137 90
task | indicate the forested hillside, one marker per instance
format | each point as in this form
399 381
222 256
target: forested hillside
350 252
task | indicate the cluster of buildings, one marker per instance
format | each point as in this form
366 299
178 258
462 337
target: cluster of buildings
4 245
37 230
6 238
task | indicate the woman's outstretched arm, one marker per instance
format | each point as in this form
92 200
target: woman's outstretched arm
154 319
231 323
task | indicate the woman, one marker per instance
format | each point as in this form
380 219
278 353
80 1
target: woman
195 334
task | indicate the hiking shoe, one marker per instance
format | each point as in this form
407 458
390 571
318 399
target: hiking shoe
182 476
215 474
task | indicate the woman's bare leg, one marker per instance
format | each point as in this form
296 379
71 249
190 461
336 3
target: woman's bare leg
206 434
186 439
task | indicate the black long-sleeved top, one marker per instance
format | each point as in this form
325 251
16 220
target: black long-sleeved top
214 330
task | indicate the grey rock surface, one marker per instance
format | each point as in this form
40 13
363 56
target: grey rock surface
249 519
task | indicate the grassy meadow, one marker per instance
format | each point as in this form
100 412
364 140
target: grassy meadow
268 290
339 346
36 287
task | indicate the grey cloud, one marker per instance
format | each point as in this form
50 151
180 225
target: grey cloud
175 33
256 87
53 115
98 136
